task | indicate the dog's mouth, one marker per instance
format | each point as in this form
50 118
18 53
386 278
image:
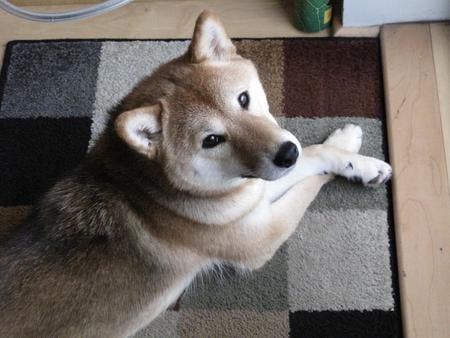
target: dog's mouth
249 176
272 174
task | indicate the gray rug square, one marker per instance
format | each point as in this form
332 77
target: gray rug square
51 80
341 194
260 290
339 260
234 323
122 65
166 325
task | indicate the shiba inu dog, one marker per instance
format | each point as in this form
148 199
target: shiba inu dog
192 170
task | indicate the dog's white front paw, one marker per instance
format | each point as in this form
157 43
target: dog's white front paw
370 171
348 138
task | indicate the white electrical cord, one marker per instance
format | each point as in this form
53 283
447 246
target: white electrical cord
84 13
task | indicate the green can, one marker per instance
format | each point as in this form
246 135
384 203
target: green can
312 15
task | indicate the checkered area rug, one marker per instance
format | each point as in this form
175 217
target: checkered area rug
335 277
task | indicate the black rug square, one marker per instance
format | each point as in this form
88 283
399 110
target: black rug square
344 324
35 152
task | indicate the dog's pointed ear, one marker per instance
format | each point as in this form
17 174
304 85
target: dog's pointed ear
140 128
210 41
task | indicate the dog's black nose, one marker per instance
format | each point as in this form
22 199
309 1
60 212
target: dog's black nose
287 155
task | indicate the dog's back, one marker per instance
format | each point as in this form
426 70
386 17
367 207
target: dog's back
71 269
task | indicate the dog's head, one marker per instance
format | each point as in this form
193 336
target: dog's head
205 118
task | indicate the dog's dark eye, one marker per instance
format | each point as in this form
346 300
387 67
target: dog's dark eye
244 99
211 141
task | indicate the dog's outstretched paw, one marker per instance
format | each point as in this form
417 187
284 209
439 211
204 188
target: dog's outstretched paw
370 171
348 138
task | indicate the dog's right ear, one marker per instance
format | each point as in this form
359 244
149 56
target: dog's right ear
140 128
210 41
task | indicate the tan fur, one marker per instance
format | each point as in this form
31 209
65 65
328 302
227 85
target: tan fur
111 246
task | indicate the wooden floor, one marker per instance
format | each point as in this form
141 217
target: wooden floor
420 186
440 40
416 68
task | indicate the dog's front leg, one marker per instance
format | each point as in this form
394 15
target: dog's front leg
265 230
287 199
348 138
337 156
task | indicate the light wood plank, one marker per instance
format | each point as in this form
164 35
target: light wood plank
440 38
160 20
421 196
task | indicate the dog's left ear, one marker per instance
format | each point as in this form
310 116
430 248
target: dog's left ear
210 41
140 128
